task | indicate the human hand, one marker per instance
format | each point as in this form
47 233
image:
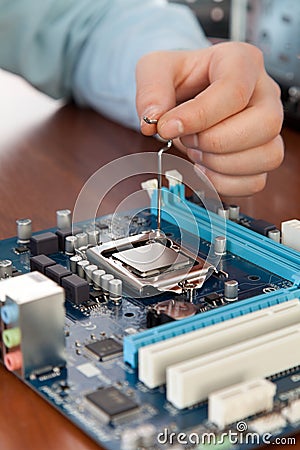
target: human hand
220 106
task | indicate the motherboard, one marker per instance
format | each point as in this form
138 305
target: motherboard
186 337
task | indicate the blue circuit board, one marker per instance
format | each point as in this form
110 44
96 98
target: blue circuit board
67 388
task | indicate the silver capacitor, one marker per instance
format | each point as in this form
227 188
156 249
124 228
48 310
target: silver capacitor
81 265
275 235
24 230
220 245
74 260
104 281
93 237
96 276
70 245
223 212
63 219
234 212
231 288
89 269
115 290
82 239
5 268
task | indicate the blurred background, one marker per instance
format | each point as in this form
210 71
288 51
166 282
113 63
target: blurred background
21 107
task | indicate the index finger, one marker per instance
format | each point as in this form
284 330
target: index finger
155 92
233 76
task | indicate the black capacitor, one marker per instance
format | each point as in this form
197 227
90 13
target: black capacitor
77 289
40 263
44 243
57 273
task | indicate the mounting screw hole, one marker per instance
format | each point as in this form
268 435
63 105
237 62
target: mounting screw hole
253 278
269 289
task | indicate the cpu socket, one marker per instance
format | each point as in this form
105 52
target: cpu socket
148 265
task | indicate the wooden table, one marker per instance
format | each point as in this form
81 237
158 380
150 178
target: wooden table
44 171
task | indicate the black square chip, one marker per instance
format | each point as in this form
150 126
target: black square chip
44 243
57 273
77 290
105 349
41 263
112 403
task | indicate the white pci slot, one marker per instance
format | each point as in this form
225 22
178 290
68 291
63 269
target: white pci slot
155 358
192 381
240 401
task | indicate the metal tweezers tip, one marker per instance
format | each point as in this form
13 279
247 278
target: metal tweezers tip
150 121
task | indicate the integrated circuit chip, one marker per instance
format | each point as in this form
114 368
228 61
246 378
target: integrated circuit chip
105 349
111 403
20 249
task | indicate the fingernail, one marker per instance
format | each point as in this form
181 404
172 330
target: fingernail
172 128
152 112
195 155
191 141
142 122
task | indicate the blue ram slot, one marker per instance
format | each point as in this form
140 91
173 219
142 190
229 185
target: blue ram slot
242 242
134 342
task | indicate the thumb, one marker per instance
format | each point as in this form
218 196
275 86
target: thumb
155 88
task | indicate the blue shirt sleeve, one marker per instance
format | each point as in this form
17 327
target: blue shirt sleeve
88 49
